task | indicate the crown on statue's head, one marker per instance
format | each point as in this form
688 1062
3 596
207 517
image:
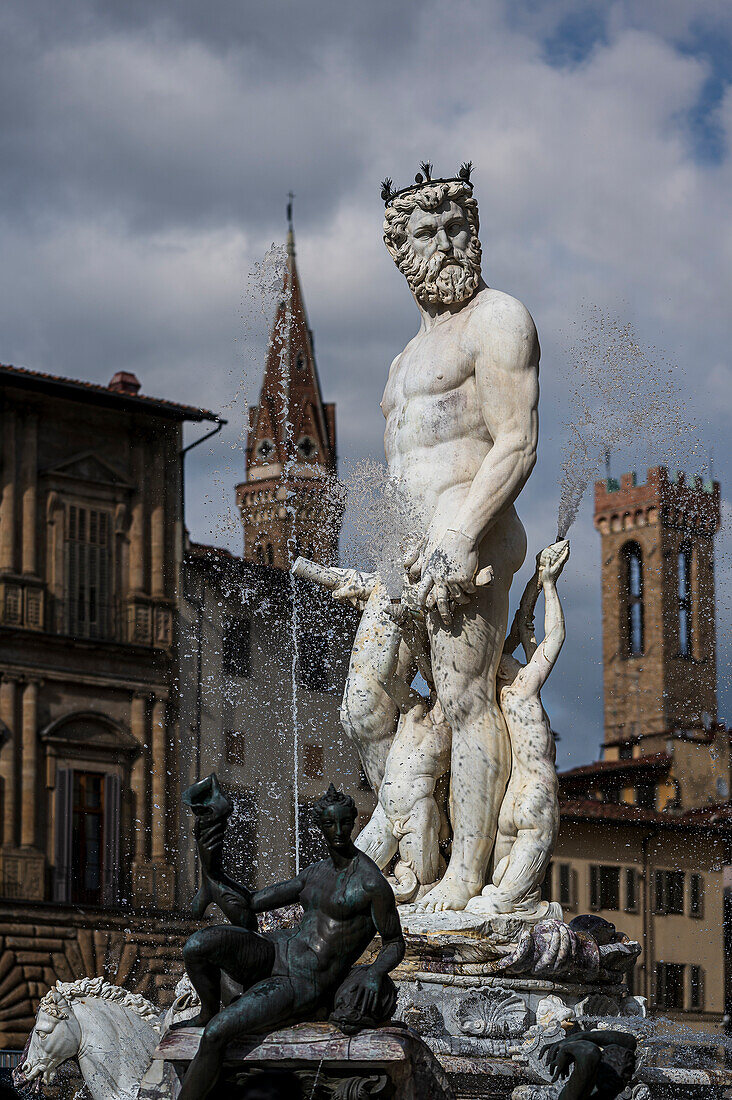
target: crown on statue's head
424 176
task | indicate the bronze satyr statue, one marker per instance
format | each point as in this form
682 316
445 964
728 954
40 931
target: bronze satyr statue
294 974
600 1063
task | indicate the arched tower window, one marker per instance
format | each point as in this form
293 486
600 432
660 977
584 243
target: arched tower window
683 565
270 554
634 598
259 554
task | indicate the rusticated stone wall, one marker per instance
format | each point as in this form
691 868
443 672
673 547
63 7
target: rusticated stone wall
40 944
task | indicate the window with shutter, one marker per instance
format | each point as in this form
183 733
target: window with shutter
674 891
87 838
696 896
236 655
659 892
696 988
111 884
62 854
631 890
670 985
566 885
88 572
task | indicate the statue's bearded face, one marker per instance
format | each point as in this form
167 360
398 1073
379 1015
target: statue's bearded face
433 238
440 242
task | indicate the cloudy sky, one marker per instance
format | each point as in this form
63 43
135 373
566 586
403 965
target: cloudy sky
146 151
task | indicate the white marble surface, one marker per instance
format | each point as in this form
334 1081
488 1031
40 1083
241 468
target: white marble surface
461 432
110 1031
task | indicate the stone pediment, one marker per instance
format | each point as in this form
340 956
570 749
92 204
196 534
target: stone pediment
90 467
91 730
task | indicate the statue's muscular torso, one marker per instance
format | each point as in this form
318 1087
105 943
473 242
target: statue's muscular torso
436 433
337 924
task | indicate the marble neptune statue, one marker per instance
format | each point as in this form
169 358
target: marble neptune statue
461 433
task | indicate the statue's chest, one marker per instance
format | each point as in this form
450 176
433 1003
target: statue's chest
338 898
434 365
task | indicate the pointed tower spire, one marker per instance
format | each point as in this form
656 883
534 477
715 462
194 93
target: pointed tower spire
291 445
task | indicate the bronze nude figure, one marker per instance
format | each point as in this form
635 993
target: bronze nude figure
294 974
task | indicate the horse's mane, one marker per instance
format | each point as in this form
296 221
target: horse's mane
97 987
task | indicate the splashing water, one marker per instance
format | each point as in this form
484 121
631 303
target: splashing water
622 394
270 277
382 520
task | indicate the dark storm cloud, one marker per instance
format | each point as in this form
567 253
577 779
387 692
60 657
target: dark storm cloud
146 150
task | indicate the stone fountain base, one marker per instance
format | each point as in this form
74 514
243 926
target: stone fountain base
389 1062
487 1028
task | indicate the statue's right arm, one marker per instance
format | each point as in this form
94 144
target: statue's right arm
554 628
282 893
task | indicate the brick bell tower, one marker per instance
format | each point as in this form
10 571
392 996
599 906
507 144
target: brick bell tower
286 502
659 649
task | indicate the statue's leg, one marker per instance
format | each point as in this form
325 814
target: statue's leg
377 838
464 662
246 956
265 1007
419 847
368 715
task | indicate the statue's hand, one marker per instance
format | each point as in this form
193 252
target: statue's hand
560 1063
365 991
413 559
356 588
448 575
210 839
552 560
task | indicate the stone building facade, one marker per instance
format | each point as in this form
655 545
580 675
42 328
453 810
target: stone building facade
91 548
646 830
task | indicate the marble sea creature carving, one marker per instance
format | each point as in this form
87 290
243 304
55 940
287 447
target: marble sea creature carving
493 1014
110 1031
295 974
588 948
597 1063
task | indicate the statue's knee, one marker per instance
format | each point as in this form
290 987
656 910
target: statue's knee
215 1035
196 948
359 713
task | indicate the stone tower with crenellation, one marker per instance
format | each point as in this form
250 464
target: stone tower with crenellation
287 502
659 648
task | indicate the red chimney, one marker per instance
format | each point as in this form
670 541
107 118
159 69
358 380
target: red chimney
124 382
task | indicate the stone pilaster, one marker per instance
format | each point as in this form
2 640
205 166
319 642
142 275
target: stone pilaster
7 757
7 501
29 766
29 464
139 772
157 526
159 777
137 526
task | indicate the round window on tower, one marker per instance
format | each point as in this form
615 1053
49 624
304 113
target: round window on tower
300 361
307 447
264 449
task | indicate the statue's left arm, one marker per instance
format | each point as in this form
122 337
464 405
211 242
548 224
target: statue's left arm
507 382
386 919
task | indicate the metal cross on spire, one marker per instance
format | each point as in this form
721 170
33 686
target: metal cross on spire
290 228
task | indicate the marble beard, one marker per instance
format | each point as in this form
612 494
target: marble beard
461 433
